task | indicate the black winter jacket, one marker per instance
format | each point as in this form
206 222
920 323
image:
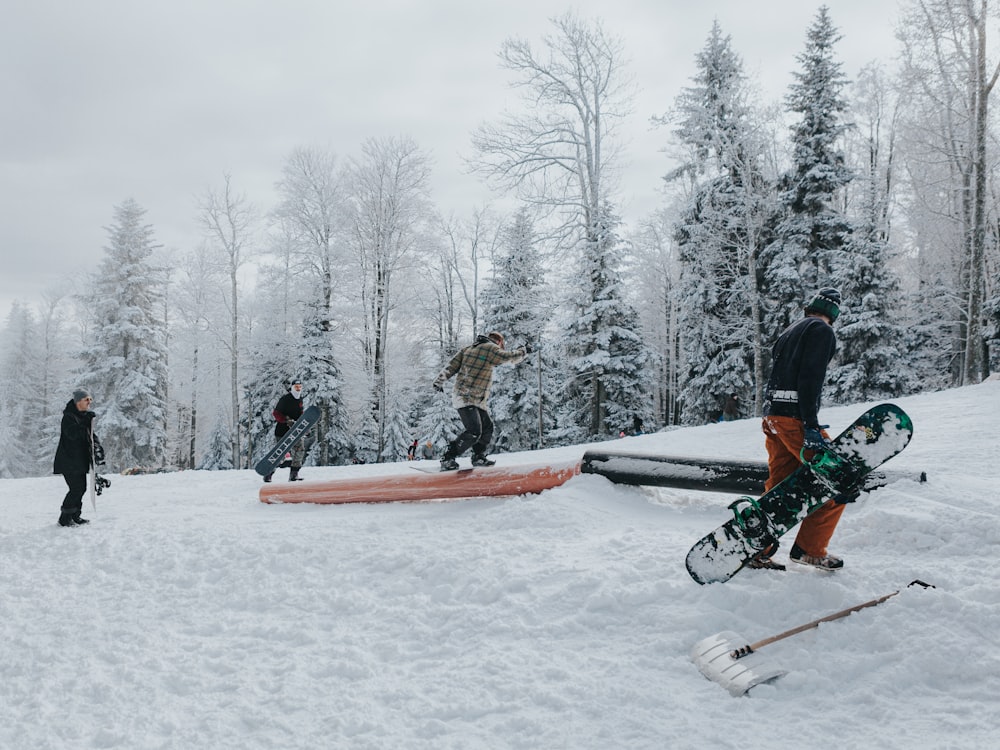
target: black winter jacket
75 453
799 360
288 409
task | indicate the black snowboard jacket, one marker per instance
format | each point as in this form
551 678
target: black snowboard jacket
799 360
288 409
75 453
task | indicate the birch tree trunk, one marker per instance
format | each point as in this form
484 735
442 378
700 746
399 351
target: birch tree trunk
229 220
389 210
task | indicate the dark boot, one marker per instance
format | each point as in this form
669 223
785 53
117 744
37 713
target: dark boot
65 519
293 475
79 521
269 477
480 459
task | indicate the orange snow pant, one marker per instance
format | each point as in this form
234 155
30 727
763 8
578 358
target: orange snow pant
783 438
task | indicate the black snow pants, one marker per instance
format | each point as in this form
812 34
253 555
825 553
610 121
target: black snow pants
478 432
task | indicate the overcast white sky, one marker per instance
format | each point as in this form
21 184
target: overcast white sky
104 100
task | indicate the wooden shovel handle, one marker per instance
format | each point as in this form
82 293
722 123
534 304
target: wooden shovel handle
743 651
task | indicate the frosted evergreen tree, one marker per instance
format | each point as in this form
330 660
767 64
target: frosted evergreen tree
366 439
266 381
218 454
871 335
513 303
398 429
560 153
607 361
439 423
321 378
9 435
125 356
719 234
813 236
991 332
653 274
932 335
22 452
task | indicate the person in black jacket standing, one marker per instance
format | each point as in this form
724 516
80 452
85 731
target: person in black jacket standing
75 455
791 423
286 411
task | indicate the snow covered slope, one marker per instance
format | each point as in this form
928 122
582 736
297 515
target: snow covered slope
190 615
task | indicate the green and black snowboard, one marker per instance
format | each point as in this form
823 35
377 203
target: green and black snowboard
875 437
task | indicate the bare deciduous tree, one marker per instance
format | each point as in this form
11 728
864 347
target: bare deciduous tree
945 56
468 245
312 215
390 208
229 220
560 153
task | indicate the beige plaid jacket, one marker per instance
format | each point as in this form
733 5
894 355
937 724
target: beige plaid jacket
474 367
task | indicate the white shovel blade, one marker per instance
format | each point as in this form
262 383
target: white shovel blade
712 656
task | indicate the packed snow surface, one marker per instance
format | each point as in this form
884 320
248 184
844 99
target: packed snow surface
190 615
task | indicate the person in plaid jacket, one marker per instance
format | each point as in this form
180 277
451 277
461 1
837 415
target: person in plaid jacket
473 367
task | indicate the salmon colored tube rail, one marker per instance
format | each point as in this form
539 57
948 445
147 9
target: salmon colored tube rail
494 481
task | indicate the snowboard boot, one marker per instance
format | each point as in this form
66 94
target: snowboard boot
269 477
66 520
80 521
824 562
762 562
293 475
480 459
448 464
763 559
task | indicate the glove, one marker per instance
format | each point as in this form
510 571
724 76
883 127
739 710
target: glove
814 440
438 386
846 497
528 348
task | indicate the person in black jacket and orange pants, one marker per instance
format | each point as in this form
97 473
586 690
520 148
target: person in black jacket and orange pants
791 424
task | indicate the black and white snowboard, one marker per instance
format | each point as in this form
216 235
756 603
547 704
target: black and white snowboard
277 454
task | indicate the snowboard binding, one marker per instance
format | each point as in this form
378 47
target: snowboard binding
753 522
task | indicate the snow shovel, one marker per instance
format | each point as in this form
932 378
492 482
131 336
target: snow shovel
728 659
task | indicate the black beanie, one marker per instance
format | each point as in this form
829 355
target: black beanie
826 302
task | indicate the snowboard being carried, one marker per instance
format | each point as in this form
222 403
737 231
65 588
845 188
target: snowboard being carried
275 456
875 437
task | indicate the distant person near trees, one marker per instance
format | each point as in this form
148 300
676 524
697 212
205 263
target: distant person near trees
473 367
731 408
286 411
791 424
76 453
637 425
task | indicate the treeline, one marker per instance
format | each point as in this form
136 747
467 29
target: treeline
355 282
